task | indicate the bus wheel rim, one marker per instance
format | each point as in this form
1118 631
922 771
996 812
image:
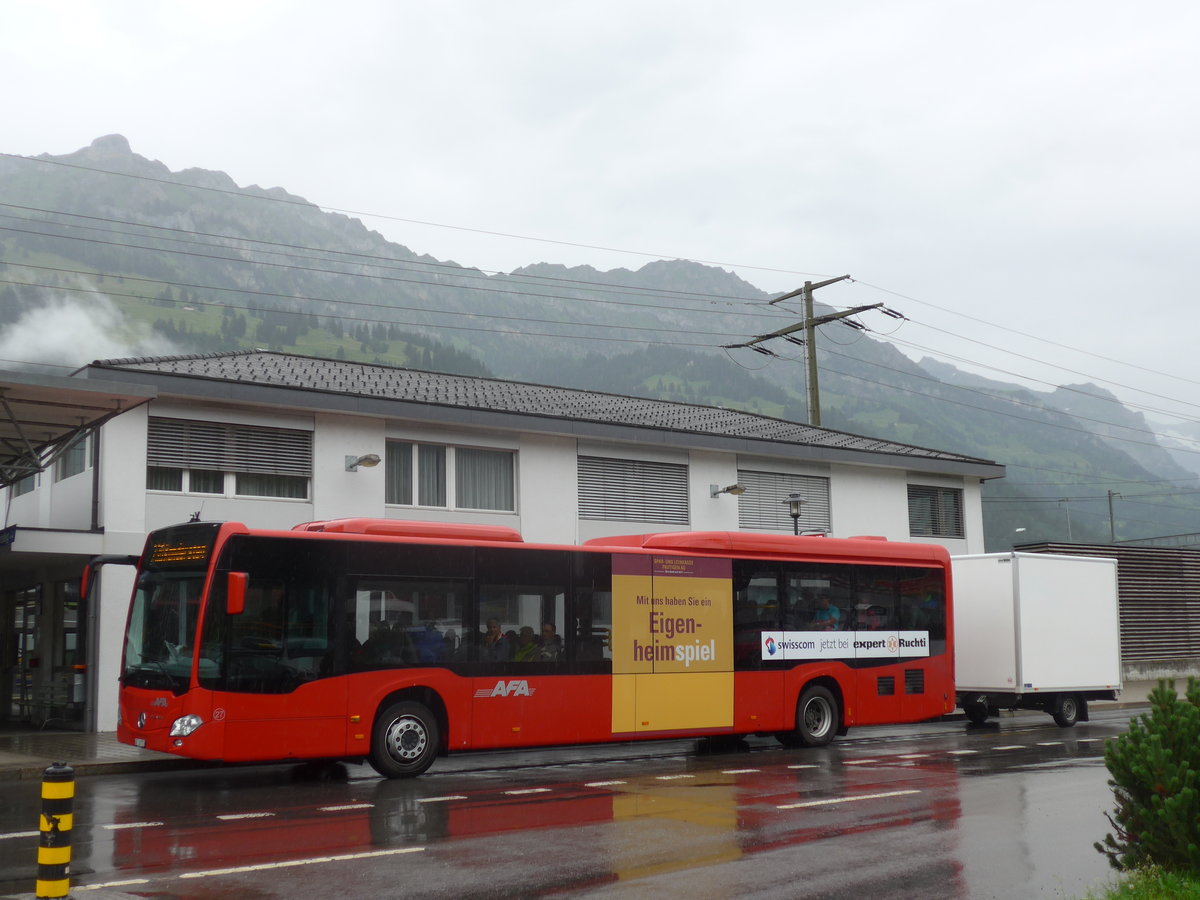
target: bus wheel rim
407 739
816 718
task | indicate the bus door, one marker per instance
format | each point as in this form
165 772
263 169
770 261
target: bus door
926 664
519 652
899 622
278 691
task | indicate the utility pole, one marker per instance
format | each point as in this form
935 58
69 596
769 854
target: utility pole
1112 525
809 325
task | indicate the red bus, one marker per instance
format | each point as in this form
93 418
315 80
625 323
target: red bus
396 641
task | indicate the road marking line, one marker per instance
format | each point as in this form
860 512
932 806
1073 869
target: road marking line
261 867
962 752
134 825
1051 743
231 817
1010 747
834 800
738 771
672 777
111 884
603 783
858 762
914 755
529 791
19 834
805 766
442 799
346 806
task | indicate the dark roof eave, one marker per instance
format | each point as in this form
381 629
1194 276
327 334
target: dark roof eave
272 395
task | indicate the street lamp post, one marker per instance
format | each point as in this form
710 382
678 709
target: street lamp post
794 502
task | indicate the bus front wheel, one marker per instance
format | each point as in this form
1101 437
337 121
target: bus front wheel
816 717
405 740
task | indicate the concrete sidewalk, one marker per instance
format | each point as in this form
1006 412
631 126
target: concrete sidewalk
25 754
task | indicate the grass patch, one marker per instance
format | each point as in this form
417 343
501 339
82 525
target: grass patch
1151 883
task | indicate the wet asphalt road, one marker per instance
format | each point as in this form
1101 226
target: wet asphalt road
928 811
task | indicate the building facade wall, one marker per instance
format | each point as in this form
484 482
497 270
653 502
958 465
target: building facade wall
863 499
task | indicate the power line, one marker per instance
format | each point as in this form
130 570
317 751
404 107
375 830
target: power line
1026 334
309 205
309 314
244 193
374 259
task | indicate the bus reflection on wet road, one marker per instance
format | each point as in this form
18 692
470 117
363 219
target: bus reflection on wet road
940 810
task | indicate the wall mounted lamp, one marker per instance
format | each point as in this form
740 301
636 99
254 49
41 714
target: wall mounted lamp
366 461
735 489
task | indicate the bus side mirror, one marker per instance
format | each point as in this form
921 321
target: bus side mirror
235 593
87 579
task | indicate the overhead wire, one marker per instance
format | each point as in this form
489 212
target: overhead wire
262 195
590 285
451 269
308 204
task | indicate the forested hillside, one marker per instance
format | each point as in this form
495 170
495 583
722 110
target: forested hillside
114 250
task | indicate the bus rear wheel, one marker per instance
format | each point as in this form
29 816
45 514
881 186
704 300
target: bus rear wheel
405 740
816 718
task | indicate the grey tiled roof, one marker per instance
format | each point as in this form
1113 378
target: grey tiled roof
468 392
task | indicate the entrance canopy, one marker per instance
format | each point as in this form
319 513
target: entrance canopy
43 415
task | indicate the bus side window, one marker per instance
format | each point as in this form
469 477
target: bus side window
755 609
875 597
588 628
923 604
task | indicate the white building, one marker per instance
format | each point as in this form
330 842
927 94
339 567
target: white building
271 440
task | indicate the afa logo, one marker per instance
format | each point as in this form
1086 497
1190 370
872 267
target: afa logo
516 688
770 645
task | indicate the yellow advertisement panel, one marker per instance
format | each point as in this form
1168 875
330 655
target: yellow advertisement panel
673 631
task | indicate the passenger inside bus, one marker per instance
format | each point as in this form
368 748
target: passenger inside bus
826 616
388 644
551 648
526 648
495 645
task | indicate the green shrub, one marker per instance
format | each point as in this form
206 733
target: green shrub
1155 769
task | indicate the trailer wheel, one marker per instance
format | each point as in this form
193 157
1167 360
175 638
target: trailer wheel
405 740
976 708
816 717
1066 710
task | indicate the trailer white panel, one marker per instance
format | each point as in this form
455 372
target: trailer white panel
985 633
1035 622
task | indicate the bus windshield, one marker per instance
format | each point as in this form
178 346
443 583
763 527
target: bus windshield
162 630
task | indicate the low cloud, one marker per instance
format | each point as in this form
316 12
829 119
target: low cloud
66 334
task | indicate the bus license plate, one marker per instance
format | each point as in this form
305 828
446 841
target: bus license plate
139 742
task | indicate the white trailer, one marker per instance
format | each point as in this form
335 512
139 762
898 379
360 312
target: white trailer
1035 631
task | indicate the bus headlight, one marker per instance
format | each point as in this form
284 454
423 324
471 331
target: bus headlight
185 725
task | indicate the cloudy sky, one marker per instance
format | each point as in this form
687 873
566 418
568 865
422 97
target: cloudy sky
997 172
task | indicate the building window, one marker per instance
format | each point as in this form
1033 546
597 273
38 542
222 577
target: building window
633 490
935 511
762 508
73 460
449 477
24 486
228 460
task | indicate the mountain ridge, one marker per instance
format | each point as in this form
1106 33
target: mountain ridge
192 258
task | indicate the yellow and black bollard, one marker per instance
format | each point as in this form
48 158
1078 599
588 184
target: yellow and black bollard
54 847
